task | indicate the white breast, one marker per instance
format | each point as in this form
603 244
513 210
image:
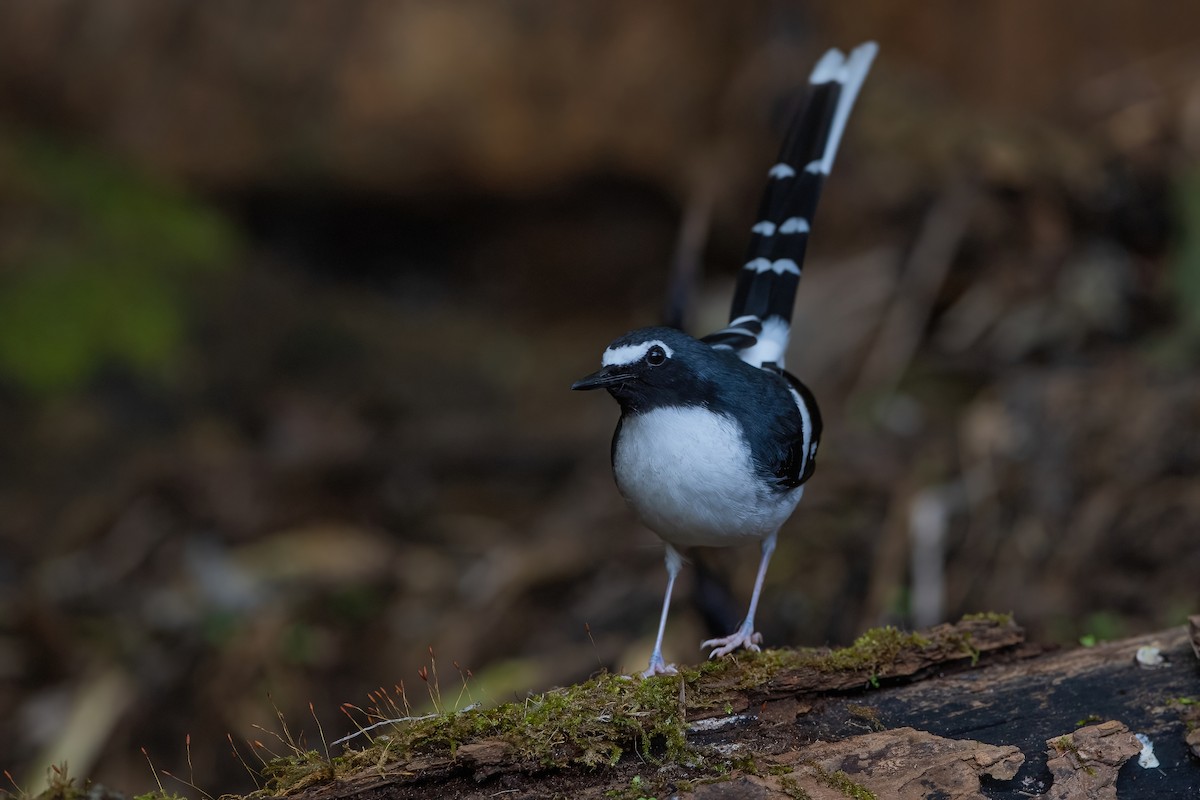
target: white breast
687 473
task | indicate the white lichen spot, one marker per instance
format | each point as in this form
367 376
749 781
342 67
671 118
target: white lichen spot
1150 656
1146 759
716 723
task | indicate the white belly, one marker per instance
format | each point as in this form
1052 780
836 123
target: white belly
688 475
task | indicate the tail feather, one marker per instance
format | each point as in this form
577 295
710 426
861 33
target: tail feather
766 287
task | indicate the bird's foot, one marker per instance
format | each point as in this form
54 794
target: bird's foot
748 639
659 667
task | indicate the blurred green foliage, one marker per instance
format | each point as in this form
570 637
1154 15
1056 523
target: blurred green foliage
1186 266
97 264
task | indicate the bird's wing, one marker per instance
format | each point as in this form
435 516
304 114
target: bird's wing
797 459
760 318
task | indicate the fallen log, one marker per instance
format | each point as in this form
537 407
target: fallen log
952 712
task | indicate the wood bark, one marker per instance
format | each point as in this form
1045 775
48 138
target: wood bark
1005 720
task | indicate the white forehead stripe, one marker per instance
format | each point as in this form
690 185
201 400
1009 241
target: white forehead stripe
631 353
778 266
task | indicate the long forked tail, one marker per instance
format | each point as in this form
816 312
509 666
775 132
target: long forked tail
760 319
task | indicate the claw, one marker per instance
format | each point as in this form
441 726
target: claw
727 644
658 667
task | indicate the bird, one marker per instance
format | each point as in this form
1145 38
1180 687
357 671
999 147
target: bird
716 440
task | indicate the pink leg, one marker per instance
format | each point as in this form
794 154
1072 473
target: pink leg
657 665
746 636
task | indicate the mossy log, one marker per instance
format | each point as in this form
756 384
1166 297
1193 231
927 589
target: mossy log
950 712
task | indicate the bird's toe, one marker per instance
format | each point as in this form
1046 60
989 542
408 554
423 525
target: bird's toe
659 669
727 644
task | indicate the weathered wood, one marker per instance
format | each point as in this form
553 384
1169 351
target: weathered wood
1026 702
971 710
1085 763
949 645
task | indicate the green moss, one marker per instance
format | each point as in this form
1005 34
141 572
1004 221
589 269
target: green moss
1001 620
874 651
591 724
744 763
793 789
1066 745
967 645
598 722
843 783
868 714
294 772
635 791
873 654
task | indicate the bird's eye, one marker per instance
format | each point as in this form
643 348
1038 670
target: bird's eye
655 356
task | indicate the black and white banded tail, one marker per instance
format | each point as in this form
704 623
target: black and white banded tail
760 318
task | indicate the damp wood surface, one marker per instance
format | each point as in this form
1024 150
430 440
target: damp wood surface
968 710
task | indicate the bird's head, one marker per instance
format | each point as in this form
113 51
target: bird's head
651 367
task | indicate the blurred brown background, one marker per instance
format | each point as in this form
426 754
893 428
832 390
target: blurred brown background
291 294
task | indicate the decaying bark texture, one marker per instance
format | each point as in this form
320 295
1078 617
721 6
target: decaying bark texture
1085 763
997 719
